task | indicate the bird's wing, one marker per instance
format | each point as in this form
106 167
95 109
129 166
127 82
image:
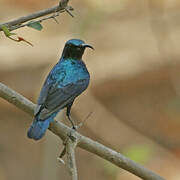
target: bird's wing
64 95
48 84
42 97
59 97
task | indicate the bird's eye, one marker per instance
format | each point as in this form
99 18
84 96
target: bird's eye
78 48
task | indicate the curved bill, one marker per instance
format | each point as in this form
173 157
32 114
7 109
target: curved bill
87 46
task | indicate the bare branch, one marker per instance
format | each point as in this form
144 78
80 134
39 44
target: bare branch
18 100
71 161
94 147
18 23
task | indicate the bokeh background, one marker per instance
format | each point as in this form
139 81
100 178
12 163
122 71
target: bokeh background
134 92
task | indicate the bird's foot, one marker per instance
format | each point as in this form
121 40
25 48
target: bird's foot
75 127
72 123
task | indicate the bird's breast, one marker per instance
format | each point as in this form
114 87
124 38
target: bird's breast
74 71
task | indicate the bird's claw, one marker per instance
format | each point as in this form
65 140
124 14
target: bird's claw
75 128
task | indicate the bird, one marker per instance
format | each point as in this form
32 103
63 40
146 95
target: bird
64 83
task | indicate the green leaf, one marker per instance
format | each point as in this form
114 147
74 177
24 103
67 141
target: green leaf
6 31
140 153
35 25
110 169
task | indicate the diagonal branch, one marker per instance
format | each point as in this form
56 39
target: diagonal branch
15 24
86 143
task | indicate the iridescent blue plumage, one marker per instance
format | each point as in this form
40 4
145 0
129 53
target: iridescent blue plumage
67 80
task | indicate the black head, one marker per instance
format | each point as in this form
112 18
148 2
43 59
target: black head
74 49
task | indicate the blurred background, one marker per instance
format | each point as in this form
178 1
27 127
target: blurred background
134 92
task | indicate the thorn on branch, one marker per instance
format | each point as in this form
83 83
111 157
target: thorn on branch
55 20
67 10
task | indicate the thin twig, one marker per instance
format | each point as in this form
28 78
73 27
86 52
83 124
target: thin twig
86 143
82 123
40 20
18 23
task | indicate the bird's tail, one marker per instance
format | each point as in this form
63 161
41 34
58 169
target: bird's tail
38 127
